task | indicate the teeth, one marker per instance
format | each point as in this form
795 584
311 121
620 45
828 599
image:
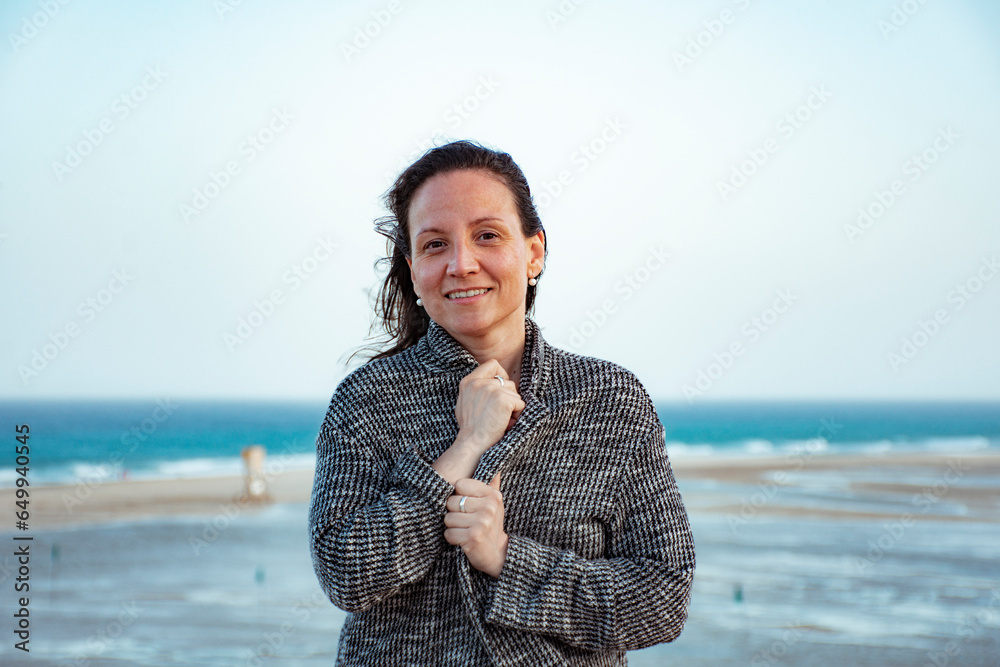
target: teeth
463 295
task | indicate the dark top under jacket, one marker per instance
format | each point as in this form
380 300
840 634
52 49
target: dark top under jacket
600 559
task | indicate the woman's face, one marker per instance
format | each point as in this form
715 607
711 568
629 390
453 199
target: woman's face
470 261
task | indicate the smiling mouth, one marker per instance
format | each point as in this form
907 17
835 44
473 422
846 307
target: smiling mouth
468 293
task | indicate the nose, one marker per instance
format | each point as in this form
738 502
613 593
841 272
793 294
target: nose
463 261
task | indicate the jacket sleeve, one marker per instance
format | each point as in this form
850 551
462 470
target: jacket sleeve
375 524
635 597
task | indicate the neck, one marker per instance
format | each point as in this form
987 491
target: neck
506 346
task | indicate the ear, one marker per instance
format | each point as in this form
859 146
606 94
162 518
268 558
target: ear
536 252
409 263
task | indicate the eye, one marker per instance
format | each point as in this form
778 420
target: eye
433 245
489 236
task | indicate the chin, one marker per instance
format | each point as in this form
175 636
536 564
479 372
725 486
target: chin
466 326
473 324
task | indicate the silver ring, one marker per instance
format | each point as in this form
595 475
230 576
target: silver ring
501 380
461 503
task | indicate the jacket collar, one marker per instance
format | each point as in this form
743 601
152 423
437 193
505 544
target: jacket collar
439 351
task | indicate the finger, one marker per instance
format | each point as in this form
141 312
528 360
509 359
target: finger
516 403
456 536
498 369
483 371
492 384
496 482
459 520
469 487
454 503
488 369
486 379
485 375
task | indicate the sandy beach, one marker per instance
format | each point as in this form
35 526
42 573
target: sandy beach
868 478
802 560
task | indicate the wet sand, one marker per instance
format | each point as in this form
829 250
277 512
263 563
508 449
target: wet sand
815 560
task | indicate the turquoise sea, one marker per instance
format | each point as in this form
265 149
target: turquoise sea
106 440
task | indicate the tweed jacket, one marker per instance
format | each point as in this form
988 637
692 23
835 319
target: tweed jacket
600 557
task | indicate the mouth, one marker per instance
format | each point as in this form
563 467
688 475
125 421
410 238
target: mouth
466 294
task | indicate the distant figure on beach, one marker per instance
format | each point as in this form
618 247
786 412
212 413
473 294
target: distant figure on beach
254 484
481 497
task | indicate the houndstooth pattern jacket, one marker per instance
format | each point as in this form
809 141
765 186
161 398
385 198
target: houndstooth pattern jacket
600 557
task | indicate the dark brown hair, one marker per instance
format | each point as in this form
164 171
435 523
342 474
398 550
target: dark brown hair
396 309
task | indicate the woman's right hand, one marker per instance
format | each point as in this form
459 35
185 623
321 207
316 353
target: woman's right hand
484 409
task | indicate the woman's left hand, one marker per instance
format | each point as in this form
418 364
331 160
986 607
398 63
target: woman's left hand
478 530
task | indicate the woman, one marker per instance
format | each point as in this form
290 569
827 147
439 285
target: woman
482 497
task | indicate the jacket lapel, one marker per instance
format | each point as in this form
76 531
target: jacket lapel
527 429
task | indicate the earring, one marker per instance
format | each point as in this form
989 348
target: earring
420 301
532 282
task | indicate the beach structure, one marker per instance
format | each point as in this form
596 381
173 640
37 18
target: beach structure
255 486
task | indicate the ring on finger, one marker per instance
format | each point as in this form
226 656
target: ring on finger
501 380
461 503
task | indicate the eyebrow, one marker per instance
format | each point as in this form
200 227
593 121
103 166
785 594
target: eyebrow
477 221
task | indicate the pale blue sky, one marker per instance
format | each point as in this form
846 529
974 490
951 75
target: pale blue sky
334 126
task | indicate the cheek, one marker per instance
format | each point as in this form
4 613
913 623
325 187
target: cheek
422 273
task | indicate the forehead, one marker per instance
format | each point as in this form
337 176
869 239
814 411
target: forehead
460 197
